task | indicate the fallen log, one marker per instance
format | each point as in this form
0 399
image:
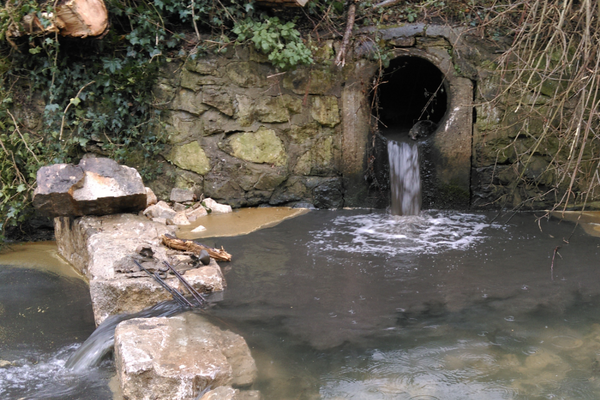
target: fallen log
195 247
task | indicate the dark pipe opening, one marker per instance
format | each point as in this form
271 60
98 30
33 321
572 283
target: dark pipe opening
412 89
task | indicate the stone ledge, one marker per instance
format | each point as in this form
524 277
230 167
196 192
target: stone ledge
98 246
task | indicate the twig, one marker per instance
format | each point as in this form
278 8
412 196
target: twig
62 124
386 3
20 134
552 264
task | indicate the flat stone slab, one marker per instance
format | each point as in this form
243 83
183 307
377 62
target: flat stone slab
97 186
103 249
176 358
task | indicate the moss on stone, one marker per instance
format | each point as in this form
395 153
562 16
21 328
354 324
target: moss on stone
262 147
190 157
324 110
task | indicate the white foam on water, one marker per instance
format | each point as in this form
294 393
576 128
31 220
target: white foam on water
431 232
33 376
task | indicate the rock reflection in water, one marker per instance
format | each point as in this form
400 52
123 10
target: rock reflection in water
447 305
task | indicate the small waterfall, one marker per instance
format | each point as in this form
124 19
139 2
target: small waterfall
405 178
102 340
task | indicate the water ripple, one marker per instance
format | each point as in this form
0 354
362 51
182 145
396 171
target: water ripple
432 232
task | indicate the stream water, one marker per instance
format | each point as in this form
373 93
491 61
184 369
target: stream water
355 304
44 315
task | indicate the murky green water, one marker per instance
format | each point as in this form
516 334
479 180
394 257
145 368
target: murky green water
360 305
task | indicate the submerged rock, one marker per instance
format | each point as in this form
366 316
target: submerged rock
229 393
216 208
178 357
97 186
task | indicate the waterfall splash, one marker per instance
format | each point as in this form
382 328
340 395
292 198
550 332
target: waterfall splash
102 340
405 178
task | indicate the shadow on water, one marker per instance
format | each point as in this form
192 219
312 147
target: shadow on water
443 305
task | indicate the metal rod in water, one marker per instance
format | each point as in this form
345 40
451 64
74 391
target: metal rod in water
199 298
177 296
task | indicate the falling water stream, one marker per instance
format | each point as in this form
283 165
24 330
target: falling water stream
359 304
405 177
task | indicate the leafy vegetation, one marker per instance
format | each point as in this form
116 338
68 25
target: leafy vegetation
281 41
96 94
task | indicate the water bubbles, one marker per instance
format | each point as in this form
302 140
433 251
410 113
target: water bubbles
431 232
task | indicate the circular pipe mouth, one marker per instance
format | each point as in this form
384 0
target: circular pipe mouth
412 90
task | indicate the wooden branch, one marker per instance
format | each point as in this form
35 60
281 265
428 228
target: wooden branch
340 59
194 247
386 3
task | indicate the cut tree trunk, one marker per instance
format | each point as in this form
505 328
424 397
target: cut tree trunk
82 18
195 247
74 18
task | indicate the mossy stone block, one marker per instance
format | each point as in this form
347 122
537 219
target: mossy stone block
190 157
261 147
325 110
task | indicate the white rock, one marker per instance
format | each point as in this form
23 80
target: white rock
198 229
216 208
220 393
180 218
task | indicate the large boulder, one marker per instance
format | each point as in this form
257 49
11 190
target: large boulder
176 358
97 186
103 249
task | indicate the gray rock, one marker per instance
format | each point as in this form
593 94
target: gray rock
178 207
422 129
97 186
182 195
204 257
177 357
101 248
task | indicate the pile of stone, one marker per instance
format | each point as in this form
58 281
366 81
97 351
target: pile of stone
105 220
184 209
